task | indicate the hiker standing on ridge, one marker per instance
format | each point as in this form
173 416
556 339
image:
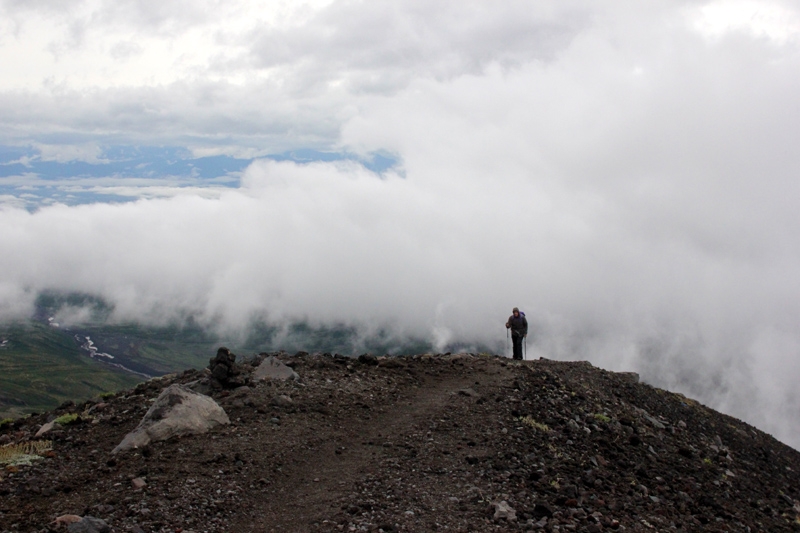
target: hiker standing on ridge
518 325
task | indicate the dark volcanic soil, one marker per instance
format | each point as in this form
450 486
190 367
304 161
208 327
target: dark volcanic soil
423 443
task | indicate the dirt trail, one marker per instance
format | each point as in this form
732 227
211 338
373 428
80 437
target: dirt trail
410 444
319 478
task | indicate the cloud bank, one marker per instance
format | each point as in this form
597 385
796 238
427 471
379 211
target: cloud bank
625 174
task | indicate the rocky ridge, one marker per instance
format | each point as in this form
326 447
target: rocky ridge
449 442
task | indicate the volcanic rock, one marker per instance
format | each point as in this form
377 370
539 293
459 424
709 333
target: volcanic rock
273 368
368 359
503 511
66 519
224 370
89 524
416 443
45 428
177 411
631 377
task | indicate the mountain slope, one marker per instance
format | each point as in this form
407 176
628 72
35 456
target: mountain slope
418 443
42 366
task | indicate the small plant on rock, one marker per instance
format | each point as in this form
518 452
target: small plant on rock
530 421
602 418
5 421
67 419
24 452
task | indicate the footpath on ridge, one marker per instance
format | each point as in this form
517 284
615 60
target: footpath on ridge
375 432
456 442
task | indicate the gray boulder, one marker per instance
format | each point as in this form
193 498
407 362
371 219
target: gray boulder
273 368
503 511
89 524
631 377
177 411
459 357
45 428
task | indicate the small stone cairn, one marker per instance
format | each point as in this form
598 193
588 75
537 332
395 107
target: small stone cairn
225 373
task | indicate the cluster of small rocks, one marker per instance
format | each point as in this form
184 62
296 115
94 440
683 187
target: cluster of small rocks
225 373
446 442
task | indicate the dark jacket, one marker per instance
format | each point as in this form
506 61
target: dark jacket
519 325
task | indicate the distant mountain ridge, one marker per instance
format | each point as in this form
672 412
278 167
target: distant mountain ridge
46 360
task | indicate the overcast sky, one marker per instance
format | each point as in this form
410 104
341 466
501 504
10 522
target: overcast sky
625 172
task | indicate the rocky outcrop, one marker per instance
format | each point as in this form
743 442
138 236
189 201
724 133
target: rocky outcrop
630 377
433 442
225 373
177 411
273 368
80 524
89 524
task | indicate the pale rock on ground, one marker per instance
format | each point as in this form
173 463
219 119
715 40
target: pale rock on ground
272 368
177 411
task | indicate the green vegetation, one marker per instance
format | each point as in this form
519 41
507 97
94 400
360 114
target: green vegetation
160 350
530 421
602 417
23 453
106 395
42 366
5 421
67 419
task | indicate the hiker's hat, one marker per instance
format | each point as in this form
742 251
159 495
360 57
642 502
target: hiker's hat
515 309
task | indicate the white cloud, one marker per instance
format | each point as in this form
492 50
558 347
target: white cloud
87 152
777 21
255 74
105 43
8 200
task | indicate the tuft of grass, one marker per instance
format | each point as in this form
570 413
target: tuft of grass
5 421
707 461
24 452
106 395
602 418
684 399
64 420
530 421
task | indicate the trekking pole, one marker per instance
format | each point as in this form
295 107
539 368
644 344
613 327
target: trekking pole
525 343
507 339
